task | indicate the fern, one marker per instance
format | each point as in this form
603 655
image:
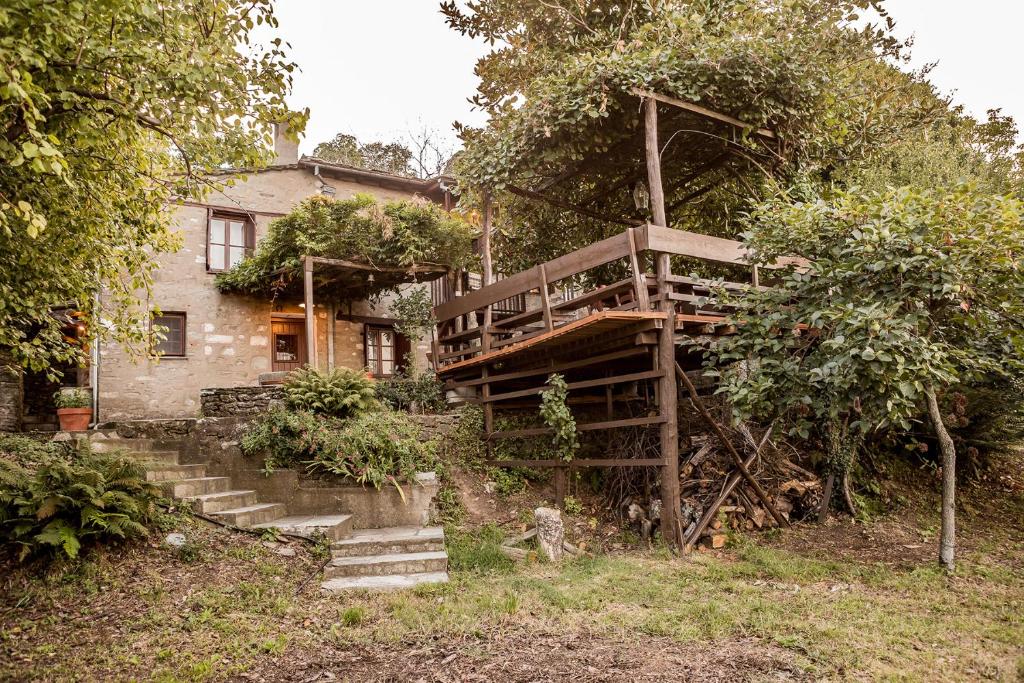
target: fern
54 500
339 393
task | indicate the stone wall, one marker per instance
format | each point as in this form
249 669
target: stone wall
11 398
240 401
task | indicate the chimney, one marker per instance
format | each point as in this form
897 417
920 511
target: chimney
285 149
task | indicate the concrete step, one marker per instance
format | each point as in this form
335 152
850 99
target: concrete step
254 515
165 457
174 472
384 565
210 503
334 527
390 541
187 488
382 583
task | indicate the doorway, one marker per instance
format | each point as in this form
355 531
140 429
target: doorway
289 345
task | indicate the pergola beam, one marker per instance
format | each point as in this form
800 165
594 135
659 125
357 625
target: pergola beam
704 111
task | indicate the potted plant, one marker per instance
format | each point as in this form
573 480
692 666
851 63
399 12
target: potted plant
73 409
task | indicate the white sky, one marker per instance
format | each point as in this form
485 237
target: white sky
383 68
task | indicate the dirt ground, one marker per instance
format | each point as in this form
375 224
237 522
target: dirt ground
849 600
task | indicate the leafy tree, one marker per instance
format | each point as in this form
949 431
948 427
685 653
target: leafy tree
108 110
907 293
564 121
386 157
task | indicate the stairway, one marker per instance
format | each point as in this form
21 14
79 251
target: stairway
215 496
362 559
387 559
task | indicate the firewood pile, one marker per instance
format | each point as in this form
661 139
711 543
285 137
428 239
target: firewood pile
794 492
716 499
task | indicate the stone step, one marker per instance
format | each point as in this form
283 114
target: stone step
210 503
334 527
383 565
107 444
382 583
187 488
390 541
174 472
254 515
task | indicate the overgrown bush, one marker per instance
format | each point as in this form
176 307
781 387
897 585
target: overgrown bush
54 500
408 389
377 448
338 393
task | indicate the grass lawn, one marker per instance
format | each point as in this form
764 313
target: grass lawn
807 604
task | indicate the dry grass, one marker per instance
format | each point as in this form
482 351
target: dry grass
845 601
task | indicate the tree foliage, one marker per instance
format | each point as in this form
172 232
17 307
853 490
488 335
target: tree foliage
558 90
386 157
392 234
108 109
905 289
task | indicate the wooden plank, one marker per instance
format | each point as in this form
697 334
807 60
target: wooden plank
522 374
585 384
614 316
580 462
585 427
704 111
685 243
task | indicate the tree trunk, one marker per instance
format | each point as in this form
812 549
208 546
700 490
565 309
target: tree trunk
947 538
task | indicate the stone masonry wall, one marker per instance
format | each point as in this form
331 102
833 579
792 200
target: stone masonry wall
228 337
11 398
240 401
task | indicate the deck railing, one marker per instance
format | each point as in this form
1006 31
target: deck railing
462 335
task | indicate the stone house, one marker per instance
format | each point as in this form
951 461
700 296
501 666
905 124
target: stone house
232 340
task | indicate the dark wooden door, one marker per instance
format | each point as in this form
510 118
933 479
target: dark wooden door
289 345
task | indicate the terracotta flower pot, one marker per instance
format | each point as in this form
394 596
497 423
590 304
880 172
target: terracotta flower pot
74 419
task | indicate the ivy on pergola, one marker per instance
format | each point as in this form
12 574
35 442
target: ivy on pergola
747 92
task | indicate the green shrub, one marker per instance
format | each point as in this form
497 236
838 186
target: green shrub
556 415
339 393
55 500
375 448
405 389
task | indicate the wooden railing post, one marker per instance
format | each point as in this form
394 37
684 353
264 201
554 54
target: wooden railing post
667 387
545 299
643 301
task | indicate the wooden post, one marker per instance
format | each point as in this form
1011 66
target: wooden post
560 486
307 272
643 302
332 313
755 277
488 274
545 299
667 389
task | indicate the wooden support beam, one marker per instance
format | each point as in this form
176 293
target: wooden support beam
666 356
546 370
585 427
639 276
307 286
580 462
331 320
586 384
704 111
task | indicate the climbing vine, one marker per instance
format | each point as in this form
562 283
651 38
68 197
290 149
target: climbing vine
556 414
360 230
414 312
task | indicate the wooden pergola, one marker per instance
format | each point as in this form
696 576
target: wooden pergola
359 280
637 331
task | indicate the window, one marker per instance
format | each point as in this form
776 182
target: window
172 329
229 238
380 351
286 348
